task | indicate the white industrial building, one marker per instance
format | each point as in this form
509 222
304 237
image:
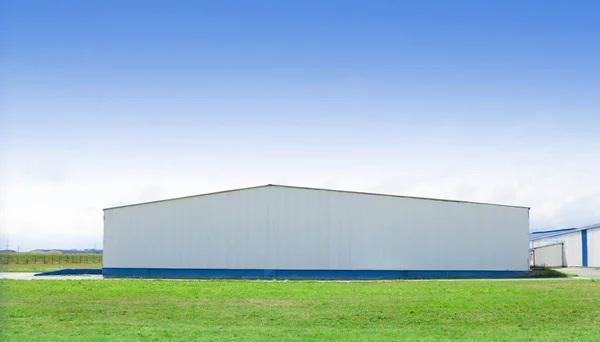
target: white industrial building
570 247
276 231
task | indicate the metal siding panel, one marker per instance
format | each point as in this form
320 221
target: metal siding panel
550 256
571 249
594 247
572 244
200 232
291 228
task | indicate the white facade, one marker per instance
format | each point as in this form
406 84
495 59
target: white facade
290 228
593 240
574 250
571 243
549 256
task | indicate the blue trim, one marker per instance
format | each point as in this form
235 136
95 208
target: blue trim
552 231
550 234
584 248
300 274
71 271
597 225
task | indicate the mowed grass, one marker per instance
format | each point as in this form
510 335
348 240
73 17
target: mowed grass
44 267
546 310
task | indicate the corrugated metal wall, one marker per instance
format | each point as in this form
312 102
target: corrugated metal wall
292 228
550 256
571 250
594 247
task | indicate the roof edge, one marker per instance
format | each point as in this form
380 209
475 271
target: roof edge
401 196
184 197
317 189
553 230
559 233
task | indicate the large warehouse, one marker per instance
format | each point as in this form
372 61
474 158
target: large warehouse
276 231
569 247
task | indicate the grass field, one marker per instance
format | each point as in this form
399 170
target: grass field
544 310
25 262
28 258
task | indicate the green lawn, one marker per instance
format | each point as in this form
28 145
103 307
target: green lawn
546 310
44 267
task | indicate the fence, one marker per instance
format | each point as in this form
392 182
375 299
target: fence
21 258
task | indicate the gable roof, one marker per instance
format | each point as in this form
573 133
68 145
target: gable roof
317 189
557 232
545 233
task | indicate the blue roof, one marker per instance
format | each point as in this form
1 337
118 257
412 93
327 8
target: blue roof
557 232
545 233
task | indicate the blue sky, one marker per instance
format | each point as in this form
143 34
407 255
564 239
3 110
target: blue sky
112 102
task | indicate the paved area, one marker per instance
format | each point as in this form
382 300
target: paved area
583 272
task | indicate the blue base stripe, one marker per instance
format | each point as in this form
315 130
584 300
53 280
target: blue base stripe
299 274
584 248
71 271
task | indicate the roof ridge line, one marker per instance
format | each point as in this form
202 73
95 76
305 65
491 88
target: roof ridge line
319 189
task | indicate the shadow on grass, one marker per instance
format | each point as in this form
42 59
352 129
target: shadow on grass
546 272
